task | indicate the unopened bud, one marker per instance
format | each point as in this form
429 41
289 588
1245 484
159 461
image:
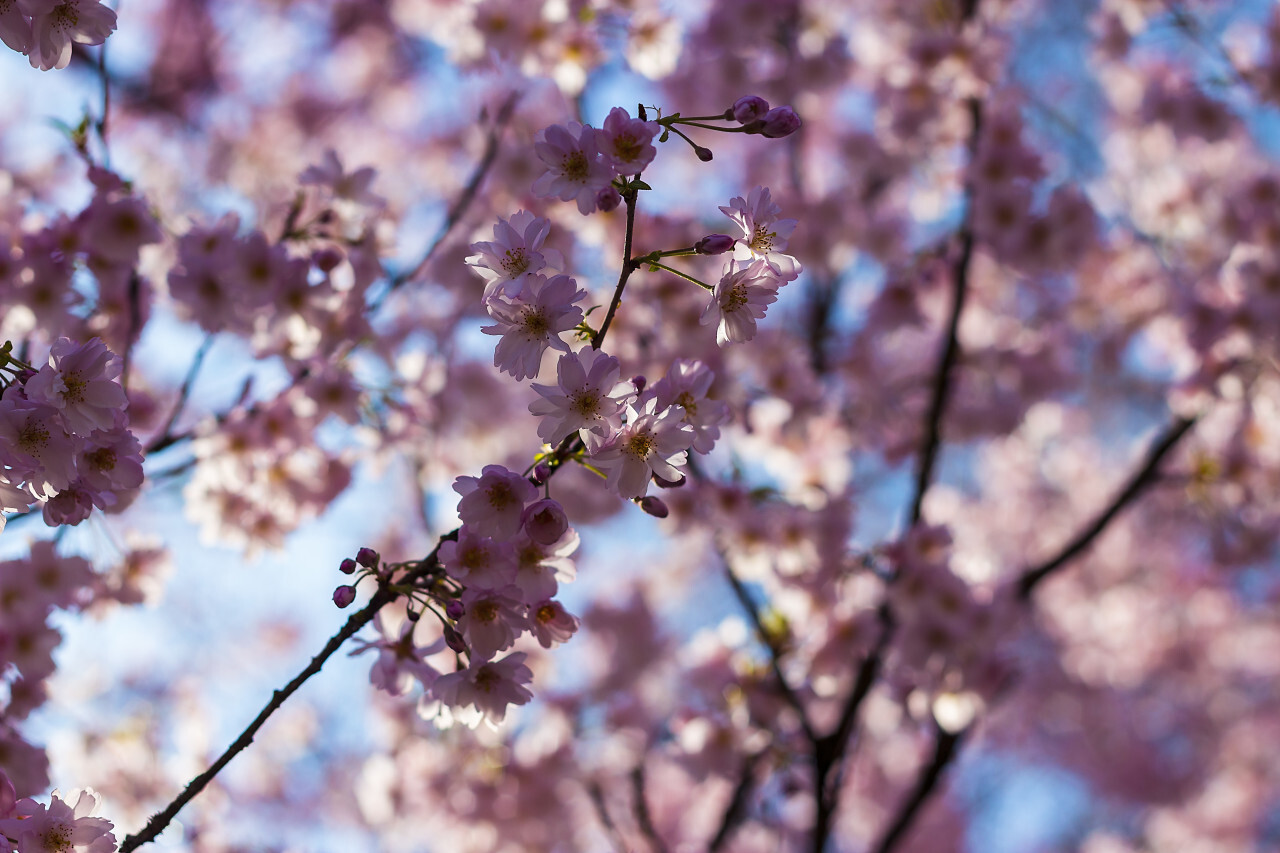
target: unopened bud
749 108
327 259
413 615
704 154
544 521
455 609
541 472
780 122
714 244
347 566
608 199
367 557
344 595
638 381
654 506
454 640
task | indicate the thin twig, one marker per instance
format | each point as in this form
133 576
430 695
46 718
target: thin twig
628 267
735 812
165 438
792 699
358 620
464 200
944 750
643 818
1138 480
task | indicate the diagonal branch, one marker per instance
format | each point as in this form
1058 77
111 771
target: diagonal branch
944 750
1138 480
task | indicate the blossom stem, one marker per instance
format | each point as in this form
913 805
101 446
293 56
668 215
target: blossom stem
628 266
684 276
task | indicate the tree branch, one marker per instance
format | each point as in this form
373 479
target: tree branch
945 746
1138 480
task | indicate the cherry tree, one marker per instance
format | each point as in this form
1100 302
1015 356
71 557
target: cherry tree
795 425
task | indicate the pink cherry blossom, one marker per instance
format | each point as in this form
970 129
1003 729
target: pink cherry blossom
55 24
626 142
740 299
764 235
488 687
686 385
60 827
400 658
575 169
648 443
492 621
551 623
493 503
515 253
79 382
588 396
532 323
478 560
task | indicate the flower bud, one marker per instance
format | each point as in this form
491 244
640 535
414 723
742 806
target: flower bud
749 108
344 595
455 609
367 557
704 154
654 506
541 472
327 259
544 521
454 640
780 122
412 615
714 244
608 199
347 566
638 382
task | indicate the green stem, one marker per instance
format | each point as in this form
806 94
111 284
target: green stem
684 276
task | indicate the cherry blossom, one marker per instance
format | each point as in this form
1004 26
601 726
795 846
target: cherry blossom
740 299
588 396
493 503
515 253
575 169
649 443
489 688
55 24
533 322
60 827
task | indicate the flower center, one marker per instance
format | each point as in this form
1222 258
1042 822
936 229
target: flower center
640 444
585 404
535 323
735 298
516 262
574 166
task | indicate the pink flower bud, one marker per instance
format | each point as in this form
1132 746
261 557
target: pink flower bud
638 381
327 259
344 595
780 122
347 566
749 108
714 244
541 472
704 154
545 522
454 640
654 506
367 557
455 609
608 198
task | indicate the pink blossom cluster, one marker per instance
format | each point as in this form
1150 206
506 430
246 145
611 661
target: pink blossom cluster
67 824
31 589
503 571
64 435
758 269
38 282
44 30
583 162
949 635
1004 176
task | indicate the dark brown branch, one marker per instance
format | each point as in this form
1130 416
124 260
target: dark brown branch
465 199
628 267
775 653
945 746
1139 480
358 620
643 818
736 811
165 437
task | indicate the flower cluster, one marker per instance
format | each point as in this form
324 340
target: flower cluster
64 434
582 161
62 826
500 577
45 29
